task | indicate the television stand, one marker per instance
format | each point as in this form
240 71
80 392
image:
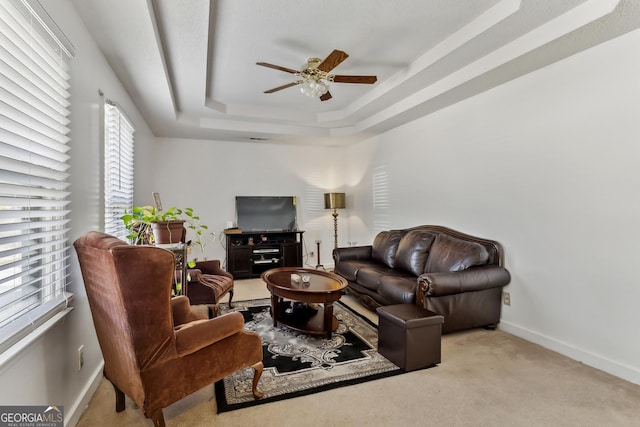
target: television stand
251 253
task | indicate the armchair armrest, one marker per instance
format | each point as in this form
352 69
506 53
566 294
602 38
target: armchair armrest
194 336
358 253
194 275
211 266
182 312
456 282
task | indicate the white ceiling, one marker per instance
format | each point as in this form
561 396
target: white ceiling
190 65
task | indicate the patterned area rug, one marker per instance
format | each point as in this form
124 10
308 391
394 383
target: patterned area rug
296 364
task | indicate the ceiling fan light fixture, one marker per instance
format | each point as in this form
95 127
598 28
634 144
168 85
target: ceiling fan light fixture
314 88
315 77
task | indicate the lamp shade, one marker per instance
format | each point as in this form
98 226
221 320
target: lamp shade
334 200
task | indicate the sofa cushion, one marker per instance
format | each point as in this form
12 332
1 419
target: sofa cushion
452 254
385 246
349 269
398 289
412 252
369 277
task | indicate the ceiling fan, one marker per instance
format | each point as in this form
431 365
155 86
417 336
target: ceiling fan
315 75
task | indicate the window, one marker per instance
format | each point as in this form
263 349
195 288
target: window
118 167
34 111
381 199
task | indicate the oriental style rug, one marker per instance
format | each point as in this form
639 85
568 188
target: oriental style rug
297 364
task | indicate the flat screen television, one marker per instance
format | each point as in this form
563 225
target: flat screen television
266 213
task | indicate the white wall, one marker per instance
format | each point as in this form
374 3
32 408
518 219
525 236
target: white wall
46 372
547 165
211 173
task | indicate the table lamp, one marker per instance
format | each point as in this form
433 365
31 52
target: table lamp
334 201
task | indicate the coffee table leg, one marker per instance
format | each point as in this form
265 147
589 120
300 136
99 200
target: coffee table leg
275 308
328 319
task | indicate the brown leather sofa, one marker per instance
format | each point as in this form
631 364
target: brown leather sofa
456 275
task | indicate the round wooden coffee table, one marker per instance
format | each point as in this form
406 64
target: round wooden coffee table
322 288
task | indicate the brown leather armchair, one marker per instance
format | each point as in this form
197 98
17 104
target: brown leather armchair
208 283
155 349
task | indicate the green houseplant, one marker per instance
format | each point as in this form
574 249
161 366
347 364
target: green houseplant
142 220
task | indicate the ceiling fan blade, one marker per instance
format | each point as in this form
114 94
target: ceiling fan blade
277 67
325 97
332 61
355 79
275 89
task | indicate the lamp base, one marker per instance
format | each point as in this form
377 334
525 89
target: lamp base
335 229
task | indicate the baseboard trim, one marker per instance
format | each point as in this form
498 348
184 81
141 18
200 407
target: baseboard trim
74 413
620 370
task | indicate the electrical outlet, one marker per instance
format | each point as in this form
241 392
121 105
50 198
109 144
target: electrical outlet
80 357
506 298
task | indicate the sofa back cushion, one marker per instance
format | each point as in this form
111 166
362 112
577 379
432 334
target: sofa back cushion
413 250
452 254
385 246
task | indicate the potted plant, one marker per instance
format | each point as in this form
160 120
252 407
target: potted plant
147 225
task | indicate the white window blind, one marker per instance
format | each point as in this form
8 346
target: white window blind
34 111
381 199
118 157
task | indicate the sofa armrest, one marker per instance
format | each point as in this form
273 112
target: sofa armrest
212 266
194 336
456 282
358 253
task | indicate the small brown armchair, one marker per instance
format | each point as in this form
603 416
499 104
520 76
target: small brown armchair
155 349
208 283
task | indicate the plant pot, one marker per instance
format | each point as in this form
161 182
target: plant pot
166 232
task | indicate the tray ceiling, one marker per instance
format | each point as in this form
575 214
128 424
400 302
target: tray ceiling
190 65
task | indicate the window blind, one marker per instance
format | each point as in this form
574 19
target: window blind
118 157
381 198
34 120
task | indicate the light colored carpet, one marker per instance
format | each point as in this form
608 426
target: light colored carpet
486 378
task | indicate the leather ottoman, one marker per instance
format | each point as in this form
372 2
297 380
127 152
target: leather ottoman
409 336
